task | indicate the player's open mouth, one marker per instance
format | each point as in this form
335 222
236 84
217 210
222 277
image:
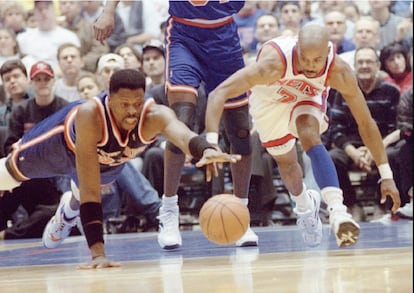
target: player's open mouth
131 121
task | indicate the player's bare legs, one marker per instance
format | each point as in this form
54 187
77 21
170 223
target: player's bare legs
345 228
307 201
169 236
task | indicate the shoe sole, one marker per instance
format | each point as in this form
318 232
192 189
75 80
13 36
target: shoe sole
171 247
248 244
347 234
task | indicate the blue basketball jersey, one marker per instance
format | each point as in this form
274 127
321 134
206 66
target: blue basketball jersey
48 148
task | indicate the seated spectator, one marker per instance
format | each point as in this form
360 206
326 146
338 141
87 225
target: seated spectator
400 148
366 34
153 62
88 85
90 48
71 67
31 21
39 197
91 10
16 84
291 16
395 62
107 65
246 21
349 152
389 22
335 21
132 58
42 42
13 16
351 11
8 46
266 28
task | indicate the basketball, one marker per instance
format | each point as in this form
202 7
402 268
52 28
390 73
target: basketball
224 219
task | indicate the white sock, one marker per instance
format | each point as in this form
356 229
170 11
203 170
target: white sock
169 201
68 212
244 200
333 197
303 201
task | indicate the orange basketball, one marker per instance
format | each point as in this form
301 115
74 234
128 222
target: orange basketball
224 219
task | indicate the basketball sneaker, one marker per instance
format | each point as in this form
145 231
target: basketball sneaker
309 221
58 228
169 236
248 239
346 230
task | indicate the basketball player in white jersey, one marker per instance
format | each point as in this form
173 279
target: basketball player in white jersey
289 86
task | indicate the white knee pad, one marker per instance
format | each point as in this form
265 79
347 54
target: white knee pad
7 182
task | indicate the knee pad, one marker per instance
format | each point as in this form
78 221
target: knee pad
237 125
185 112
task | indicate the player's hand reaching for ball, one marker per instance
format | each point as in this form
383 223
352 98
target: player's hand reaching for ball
99 262
213 159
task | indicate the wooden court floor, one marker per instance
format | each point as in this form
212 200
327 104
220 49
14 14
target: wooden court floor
381 261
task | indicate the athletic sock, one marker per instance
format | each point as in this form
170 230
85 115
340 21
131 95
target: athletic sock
303 201
169 201
334 198
68 212
323 167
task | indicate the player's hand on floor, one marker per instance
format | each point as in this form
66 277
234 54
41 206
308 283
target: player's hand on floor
100 262
213 159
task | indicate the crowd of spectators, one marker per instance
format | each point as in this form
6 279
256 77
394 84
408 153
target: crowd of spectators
60 33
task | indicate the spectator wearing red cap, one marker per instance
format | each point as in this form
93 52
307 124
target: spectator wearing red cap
39 197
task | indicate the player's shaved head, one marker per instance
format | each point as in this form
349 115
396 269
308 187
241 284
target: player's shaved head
313 35
313 49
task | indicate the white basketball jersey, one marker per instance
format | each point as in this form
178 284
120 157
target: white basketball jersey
294 86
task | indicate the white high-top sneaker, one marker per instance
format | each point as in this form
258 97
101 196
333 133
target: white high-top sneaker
169 236
346 230
248 239
58 229
309 221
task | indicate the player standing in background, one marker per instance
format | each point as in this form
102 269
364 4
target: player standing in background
202 44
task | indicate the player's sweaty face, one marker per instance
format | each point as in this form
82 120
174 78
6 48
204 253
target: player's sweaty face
311 61
126 106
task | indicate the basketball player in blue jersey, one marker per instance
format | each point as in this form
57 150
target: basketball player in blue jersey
90 140
202 44
289 84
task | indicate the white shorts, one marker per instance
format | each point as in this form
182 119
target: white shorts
276 122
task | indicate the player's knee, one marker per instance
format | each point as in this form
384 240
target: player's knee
238 130
185 112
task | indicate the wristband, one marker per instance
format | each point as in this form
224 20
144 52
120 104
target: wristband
212 137
91 216
385 171
197 145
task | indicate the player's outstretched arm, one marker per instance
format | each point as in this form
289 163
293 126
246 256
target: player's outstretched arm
162 120
343 79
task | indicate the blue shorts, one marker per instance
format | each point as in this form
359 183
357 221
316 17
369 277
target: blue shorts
196 54
43 153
